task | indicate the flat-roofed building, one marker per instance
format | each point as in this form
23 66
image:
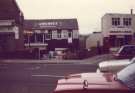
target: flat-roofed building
118 29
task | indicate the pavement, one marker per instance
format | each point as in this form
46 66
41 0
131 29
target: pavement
91 60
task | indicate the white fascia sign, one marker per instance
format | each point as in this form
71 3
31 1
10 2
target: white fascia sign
48 24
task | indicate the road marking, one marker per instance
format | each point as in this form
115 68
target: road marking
48 76
33 68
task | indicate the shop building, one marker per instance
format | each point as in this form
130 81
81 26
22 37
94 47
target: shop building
118 29
51 35
11 27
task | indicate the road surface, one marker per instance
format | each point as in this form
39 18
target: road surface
31 76
36 78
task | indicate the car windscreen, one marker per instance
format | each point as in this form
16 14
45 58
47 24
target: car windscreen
127 50
127 76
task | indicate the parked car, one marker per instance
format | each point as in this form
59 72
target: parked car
122 82
113 65
125 52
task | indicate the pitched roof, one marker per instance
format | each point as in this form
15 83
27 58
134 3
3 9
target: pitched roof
9 10
9 6
51 24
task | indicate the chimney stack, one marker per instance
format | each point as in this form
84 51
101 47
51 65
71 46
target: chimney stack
131 11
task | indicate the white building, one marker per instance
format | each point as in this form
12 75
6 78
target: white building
94 40
118 29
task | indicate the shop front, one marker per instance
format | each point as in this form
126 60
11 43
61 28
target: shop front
55 34
116 39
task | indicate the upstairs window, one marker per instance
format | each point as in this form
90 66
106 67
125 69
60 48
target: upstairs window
70 34
70 31
115 21
127 21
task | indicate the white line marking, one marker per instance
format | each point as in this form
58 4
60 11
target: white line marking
48 76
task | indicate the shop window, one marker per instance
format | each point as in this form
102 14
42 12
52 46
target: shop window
26 39
32 38
115 21
39 37
128 39
59 34
48 35
112 40
127 21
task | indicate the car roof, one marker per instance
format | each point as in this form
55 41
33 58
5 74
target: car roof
128 45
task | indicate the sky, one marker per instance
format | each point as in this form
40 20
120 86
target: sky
87 12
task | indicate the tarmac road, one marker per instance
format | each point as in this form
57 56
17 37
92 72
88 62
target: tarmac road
40 76
36 78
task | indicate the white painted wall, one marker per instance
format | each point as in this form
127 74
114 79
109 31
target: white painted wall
75 34
107 24
92 40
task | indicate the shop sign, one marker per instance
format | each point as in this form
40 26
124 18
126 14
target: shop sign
120 31
48 24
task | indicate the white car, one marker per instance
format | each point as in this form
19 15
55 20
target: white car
114 65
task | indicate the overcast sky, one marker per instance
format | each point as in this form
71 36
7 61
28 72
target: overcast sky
88 12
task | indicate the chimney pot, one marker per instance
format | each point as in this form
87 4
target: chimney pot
131 11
